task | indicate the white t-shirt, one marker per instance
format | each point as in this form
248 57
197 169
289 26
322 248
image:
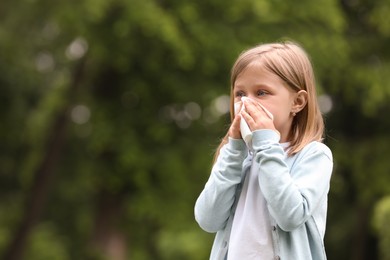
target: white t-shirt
251 236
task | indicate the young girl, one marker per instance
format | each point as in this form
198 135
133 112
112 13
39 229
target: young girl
266 197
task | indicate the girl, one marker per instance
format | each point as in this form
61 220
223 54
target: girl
267 198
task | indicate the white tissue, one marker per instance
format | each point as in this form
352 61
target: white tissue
246 133
271 116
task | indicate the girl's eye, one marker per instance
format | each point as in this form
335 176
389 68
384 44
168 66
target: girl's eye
240 94
261 93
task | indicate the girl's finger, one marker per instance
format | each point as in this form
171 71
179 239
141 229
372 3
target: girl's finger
249 119
234 130
269 114
254 107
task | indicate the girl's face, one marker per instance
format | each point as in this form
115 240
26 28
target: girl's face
270 91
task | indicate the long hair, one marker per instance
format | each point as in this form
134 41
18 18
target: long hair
290 62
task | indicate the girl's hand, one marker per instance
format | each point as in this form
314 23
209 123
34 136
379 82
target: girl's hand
234 130
256 116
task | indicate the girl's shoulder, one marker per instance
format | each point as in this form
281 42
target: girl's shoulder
316 147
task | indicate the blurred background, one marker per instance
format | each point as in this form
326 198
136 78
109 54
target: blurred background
111 111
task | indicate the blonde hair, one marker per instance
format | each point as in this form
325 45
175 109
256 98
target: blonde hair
291 63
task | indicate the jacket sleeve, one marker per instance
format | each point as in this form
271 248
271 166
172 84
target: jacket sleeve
213 206
292 197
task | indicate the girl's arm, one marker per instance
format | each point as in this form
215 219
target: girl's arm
292 197
212 208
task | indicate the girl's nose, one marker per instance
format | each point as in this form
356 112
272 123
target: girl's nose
246 98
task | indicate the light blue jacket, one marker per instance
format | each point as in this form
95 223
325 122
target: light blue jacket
295 189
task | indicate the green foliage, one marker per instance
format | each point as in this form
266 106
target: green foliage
148 112
47 244
368 174
381 224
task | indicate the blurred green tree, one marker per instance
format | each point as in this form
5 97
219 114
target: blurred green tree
111 111
380 223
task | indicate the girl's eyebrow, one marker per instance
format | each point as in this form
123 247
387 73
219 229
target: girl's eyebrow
255 86
263 86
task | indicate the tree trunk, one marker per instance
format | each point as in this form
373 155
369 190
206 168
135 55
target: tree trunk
107 240
43 176
360 244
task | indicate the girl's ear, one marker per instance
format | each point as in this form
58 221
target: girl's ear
300 101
